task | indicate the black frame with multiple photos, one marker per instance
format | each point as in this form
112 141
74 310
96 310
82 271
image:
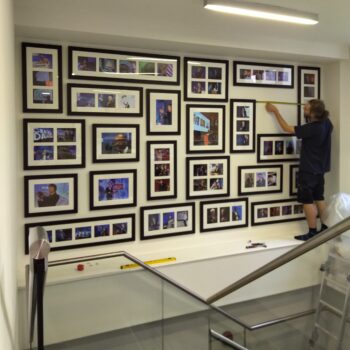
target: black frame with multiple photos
27 227
154 57
25 71
293 180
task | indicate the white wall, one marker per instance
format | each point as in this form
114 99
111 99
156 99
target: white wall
8 176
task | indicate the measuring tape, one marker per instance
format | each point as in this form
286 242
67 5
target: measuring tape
149 262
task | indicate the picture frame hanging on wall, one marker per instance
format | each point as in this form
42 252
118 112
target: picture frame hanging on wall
115 143
167 220
205 128
258 74
163 112
207 177
277 211
104 100
242 125
53 144
86 232
161 169
41 78
205 79
278 148
133 67
293 179
224 214
113 189
309 87
50 195
256 179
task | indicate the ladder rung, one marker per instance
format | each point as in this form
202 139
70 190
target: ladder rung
336 283
326 332
329 306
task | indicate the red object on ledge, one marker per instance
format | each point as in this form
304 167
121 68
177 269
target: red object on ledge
80 267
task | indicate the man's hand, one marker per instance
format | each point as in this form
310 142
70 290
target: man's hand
283 124
271 108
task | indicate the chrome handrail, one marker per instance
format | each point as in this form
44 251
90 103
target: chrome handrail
309 245
227 341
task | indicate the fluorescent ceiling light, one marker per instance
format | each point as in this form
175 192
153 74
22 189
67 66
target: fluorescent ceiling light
275 13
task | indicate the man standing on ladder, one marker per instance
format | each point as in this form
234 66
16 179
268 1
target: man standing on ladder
314 160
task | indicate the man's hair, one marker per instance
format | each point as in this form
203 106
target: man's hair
54 186
318 109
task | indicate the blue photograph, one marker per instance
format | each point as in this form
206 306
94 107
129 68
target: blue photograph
43 153
42 78
119 229
66 135
66 152
126 66
44 96
42 60
64 235
116 143
43 135
101 230
237 213
83 232
87 63
168 220
85 99
113 189
108 65
51 195
164 112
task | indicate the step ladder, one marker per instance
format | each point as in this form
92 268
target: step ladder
339 284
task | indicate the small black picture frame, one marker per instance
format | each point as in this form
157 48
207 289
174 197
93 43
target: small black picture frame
293 179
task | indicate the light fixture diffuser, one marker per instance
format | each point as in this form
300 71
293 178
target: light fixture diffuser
258 10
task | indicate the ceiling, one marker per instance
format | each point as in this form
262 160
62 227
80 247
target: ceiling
184 24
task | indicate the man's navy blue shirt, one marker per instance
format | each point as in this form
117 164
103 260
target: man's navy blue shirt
315 156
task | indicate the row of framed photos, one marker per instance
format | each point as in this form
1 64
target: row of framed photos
204 79
167 220
206 177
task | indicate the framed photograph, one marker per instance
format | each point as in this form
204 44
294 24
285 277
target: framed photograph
113 189
206 79
50 195
207 177
163 112
293 179
242 126
104 100
223 214
260 179
273 212
80 233
278 148
161 169
132 67
263 74
205 129
116 143
167 220
53 144
309 87
42 78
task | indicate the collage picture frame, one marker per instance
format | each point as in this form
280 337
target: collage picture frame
256 179
224 214
112 65
41 78
205 79
116 143
161 170
293 179
277 211
278 148
207 177
104 100
163 113
258 74
53 144
86 232
242 125
167 220
50 195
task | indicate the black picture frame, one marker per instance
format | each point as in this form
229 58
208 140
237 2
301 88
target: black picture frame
283 148
97 152
314 84
90 90
154 165
95 202
227 222
188 220
237 81
262 188
250 133
293 179
152 127
207 176
191 148
59 145
51 87
282 215
208 64
159 79
84 223
30 203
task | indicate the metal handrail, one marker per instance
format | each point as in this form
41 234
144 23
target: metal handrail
309 245
226 341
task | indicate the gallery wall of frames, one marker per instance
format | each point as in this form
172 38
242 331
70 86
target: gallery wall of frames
122 146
